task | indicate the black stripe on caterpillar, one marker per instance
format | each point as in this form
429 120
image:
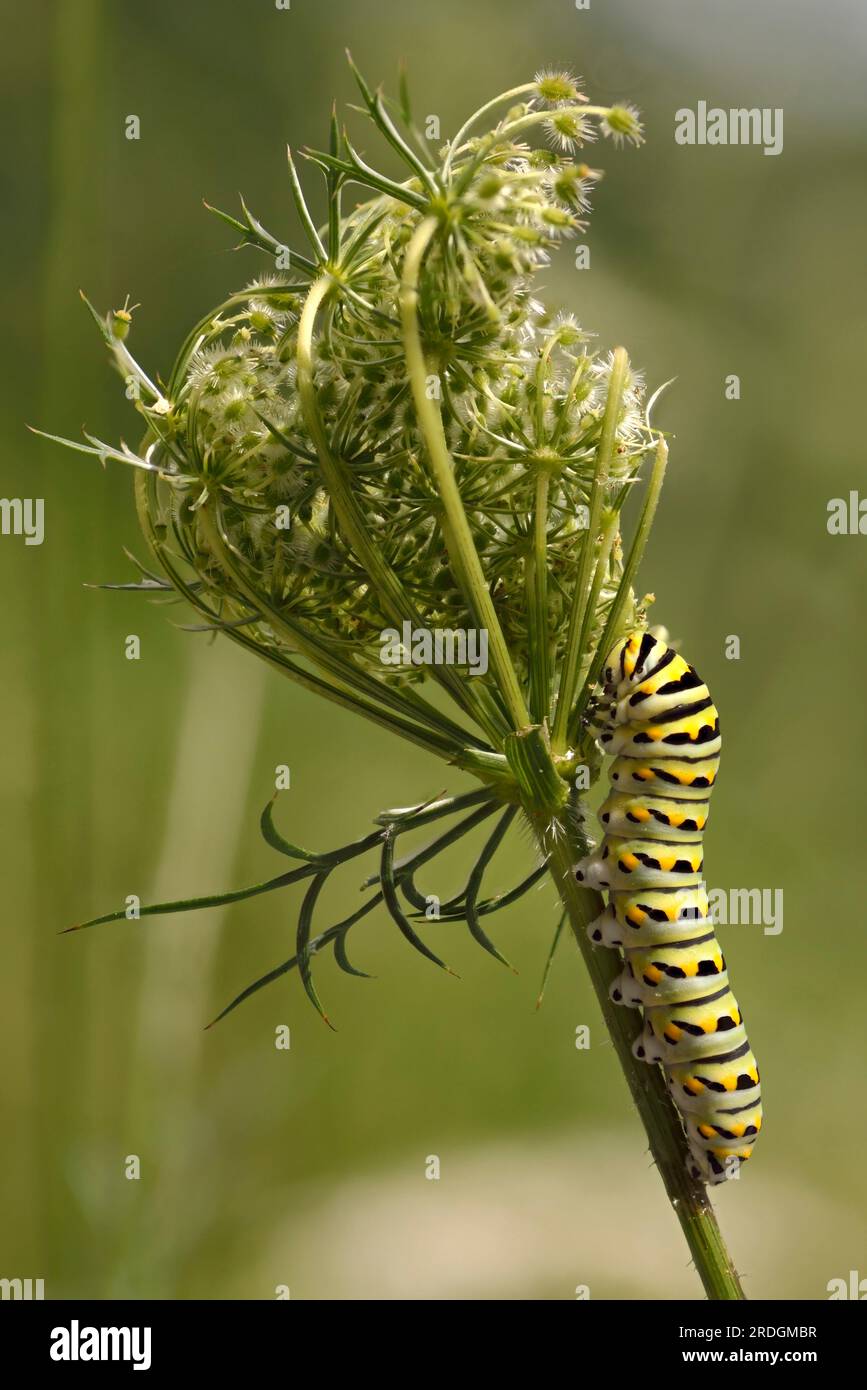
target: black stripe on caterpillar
655 716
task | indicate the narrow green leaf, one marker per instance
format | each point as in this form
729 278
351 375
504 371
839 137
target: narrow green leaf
496 904
194 904
389 893
550 959
413 861
271 835
340 941
144 586
427 811
331 934
489 850
302 944
99 320
304 212
98 449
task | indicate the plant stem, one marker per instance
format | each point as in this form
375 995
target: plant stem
589 550
465 557
564 844
624 590
537 603
348 510
339 486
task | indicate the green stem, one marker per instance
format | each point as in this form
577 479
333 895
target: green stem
339 485
606 543
508 131
605 453
465 556
630 569
349 514
537 603
564 844
456 144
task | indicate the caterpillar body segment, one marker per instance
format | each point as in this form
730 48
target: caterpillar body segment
687 728
661 864
666 973
680 820
656 717
649 916
683 778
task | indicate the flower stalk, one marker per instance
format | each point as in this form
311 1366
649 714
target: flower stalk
579 618
462 547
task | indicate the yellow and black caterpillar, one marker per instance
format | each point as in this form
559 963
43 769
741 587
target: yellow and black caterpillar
655 715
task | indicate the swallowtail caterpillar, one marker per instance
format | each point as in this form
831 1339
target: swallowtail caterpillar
655 716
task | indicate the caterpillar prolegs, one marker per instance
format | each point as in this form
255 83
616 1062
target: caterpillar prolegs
655 715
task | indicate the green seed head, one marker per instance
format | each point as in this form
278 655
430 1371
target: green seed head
393 429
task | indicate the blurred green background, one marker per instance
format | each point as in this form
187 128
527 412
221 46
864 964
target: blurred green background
307 1168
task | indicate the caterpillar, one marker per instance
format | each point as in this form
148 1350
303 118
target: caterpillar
655 716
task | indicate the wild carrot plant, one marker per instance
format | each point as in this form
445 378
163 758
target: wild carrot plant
387 440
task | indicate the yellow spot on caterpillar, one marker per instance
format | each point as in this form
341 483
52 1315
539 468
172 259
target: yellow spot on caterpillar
706 1130
653 974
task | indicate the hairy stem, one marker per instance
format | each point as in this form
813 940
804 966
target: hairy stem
564 844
